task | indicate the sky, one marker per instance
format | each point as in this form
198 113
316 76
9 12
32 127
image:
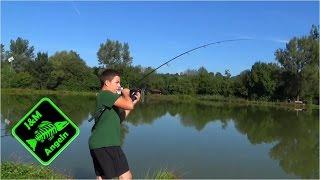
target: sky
158 31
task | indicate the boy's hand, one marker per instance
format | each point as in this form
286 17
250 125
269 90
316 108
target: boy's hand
124 101
138 95
125 92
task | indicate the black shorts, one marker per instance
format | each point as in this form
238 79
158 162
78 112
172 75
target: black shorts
109 162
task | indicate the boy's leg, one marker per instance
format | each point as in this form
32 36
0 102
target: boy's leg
121 165
103 163
99 178
126 175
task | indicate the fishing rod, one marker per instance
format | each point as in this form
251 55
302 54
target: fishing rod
134 91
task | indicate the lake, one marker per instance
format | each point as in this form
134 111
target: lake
192 140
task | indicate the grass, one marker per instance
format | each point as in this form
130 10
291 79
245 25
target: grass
216 99
202 99
161 174
15 170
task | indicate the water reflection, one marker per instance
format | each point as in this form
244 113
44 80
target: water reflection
295 137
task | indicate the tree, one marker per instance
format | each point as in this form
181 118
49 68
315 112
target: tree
117 51
241 84
310 83
106 55
3 57
203 80
227 84
125 54
22 53
22 80
314 32
299 54
227 73
41 70
263 80
113 54
7 75
190 72
310 74
70 72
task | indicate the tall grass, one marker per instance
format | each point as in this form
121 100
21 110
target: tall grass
161 174
15 170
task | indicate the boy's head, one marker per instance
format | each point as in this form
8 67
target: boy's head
110 80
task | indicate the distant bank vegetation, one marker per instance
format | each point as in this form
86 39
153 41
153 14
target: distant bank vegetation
295 76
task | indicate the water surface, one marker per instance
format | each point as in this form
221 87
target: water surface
194 141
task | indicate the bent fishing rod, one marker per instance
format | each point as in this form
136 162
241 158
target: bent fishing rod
134 91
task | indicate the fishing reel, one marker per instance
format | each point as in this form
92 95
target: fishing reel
133 93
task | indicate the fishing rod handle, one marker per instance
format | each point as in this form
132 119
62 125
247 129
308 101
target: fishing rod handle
133 93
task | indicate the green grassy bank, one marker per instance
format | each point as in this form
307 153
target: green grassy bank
206 99
14 170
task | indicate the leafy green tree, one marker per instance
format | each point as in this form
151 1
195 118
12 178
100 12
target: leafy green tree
3 57
214 85
310 83
314 32
117 51
204 81
157 82
70 72
41 70
310 74
218 80
241 84
227 84
22 54
22 80
7 75
112 54
133 76
125 54
190 72
263 80
106 54
6 71
184 85
295 59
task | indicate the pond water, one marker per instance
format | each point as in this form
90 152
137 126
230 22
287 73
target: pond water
192 140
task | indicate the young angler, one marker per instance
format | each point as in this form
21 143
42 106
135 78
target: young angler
108 158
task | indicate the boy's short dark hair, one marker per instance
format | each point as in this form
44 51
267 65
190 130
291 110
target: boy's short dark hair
108 74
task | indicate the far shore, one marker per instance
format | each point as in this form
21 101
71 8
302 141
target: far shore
202 99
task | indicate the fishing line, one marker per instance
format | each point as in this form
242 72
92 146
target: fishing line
134 91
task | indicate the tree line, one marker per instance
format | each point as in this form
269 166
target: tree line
294 76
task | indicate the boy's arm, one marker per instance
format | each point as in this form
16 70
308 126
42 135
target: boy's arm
126 112
123 114
124 101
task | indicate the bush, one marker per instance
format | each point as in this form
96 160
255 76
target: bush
22 80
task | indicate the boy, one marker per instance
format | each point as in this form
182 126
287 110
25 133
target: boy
104 143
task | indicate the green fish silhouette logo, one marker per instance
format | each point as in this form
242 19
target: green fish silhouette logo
46 130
